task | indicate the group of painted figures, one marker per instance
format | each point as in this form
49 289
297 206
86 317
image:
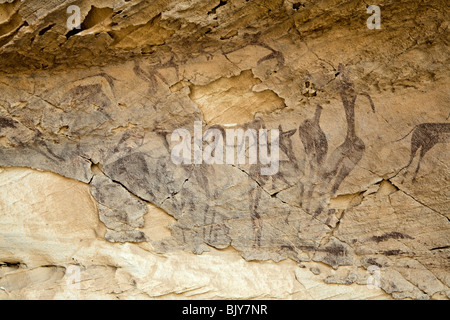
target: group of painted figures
324 173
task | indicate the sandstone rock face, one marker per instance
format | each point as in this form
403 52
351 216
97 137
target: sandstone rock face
95 202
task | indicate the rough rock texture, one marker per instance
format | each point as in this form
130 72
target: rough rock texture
362 192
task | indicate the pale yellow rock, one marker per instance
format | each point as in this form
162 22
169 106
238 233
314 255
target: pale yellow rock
231 101
60 232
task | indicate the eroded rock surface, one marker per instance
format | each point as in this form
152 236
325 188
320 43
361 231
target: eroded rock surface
364 134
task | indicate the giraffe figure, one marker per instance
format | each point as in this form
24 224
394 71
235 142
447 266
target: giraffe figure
314 139
424 137
254 39
346 156
286 144
153 73
316 147
286 147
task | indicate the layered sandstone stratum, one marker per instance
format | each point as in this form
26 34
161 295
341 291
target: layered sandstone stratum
93 205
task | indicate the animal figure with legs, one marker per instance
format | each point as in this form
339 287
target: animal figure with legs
346 156
424 137
316 147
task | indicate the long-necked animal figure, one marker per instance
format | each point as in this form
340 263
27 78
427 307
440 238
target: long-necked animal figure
424 137
345 157
314 139
315 145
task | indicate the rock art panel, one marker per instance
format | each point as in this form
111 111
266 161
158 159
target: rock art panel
309 141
